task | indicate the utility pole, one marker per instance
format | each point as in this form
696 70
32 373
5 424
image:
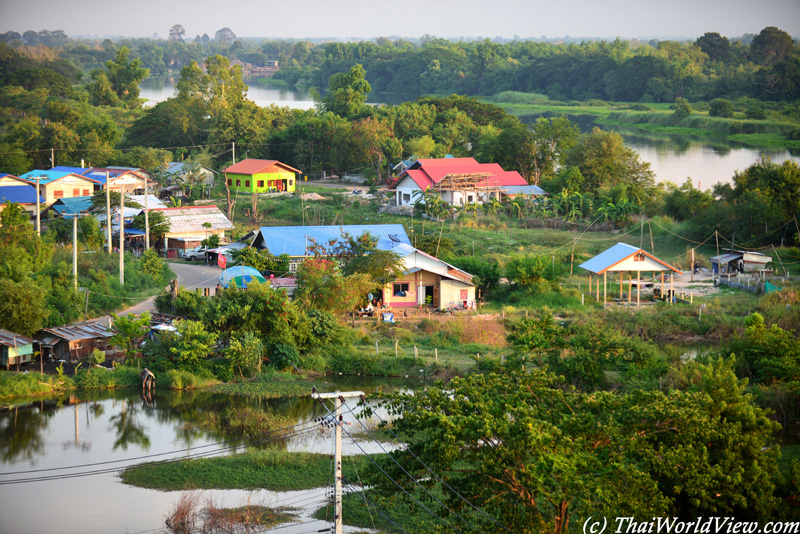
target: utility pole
692 265
146 219
233 150
108 214
53 158
38 212
75 250
121 236
337 505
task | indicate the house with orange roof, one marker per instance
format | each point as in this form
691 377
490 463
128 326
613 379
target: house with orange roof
261 176
457 181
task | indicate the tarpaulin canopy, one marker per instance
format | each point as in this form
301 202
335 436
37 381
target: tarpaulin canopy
240 275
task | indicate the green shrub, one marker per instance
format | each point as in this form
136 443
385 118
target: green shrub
283 355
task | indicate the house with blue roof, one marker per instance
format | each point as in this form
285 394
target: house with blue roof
178 172
23 194
55 184
297 241
66 207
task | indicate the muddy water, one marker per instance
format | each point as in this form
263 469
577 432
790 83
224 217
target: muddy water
75 448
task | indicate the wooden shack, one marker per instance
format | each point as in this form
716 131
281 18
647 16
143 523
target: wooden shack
15 348
74 342
739 261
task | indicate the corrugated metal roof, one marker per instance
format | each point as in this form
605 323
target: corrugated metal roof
21 194
50 176
176 167
725 258
258 166
426 172
524 190
293 240
68 206
77 332
76 170
11 339
449 271
614 255
191 219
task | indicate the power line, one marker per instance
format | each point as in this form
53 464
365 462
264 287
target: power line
369 456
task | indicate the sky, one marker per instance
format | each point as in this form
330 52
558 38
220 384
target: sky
295 19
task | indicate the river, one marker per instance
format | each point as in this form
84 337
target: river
107 431
672 158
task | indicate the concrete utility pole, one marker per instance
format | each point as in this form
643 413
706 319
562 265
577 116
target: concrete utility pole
38 212
233 150
146 219
121 236
75 250
339 400
53 158
108 214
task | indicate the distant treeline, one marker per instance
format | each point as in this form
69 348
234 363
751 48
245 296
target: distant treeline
765 66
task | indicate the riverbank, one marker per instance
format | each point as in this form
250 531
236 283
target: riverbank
778 130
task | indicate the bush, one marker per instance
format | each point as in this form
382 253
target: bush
283 355
721 108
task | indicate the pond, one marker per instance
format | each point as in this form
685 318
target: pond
100 434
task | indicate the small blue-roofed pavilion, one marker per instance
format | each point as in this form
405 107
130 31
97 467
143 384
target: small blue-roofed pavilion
624 258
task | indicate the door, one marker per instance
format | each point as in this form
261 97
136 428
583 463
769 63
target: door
436 295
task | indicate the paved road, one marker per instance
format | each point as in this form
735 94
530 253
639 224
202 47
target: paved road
190 276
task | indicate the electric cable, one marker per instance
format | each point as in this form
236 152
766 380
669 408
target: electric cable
386 425
363 496
406 472
447 523
271 437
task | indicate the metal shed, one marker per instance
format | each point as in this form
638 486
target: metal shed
74 341
14 348
624 258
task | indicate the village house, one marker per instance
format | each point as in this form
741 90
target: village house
261 176
428 281
15 349
181 175
124 179
186 229
75 341
297 241
54 185
24 195
457 181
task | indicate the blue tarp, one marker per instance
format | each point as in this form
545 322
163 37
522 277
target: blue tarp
241 276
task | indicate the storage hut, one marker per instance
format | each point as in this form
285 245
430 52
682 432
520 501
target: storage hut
623 258
74 341
14 348
739 260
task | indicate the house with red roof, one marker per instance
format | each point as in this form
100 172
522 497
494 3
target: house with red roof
261 176
457 181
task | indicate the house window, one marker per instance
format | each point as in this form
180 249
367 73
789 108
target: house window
293 266
291 182
247 183
230 181
469 198
260 183
406 198
76 192
238 183
400 290
86 192
638 257
58 194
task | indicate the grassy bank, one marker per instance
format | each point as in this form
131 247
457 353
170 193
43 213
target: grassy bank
264 469
658 118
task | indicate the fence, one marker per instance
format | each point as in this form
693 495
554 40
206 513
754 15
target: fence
756 288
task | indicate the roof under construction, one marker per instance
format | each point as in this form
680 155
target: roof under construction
470 181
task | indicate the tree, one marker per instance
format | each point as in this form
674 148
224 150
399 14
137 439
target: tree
246 353
159 225
23 308
682 109
191 343
717 47
176 33
604 162
772 45
122 77
347 92
225 36
321 285
130 330
534 454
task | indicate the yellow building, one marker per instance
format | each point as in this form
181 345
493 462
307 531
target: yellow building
428 281
54 185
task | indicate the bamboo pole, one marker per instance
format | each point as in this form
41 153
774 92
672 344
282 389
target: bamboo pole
630 287
638 287
605 283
